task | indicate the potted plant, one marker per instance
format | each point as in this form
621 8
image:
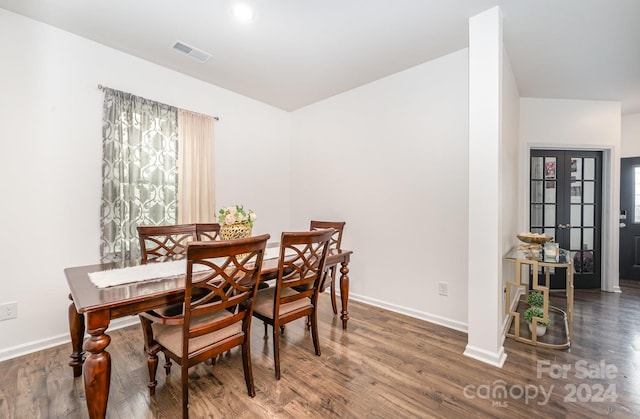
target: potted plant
532 312
535 299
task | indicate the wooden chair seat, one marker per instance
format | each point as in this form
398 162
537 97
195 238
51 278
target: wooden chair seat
264 302
170 336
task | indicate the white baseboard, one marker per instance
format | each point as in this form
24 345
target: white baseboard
442 321
61 339
492 358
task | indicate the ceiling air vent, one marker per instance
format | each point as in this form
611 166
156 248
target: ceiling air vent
191 51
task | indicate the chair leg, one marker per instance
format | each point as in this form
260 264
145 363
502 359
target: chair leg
314 332
282 330
152 365
333 292
167 364
266 336
246 365
276 351
152 349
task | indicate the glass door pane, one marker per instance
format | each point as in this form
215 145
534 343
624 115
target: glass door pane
636 203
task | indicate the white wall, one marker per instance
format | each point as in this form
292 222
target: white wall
50 114
573 123
630 135
587 125
511 198
390 158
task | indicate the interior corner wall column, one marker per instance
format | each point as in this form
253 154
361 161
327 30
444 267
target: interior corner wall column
484 281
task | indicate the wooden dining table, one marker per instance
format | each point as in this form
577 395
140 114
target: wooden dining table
96 307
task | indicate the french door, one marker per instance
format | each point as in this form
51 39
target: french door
566 203
630 218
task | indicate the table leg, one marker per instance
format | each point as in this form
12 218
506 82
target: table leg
97 368
76 330
344 293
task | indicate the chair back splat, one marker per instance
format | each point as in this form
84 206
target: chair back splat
159 243
334 245
169 242
208 231
336 238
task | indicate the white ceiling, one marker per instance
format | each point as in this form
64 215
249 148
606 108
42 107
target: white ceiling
296 52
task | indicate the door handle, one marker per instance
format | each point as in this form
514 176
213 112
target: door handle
564 226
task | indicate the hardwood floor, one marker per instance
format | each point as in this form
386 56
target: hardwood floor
385 366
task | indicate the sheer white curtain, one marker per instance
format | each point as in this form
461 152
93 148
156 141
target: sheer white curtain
196 197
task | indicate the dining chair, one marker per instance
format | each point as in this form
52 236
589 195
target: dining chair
165 242
334 245
207 231
227 274
295 295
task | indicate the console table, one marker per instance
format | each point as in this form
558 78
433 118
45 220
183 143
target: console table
522 257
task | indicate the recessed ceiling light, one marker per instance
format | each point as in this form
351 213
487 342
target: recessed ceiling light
243 12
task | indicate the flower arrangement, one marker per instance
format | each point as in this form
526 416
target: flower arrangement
236 214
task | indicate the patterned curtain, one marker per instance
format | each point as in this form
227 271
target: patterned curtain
139 179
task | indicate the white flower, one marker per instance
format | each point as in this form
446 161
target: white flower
236 214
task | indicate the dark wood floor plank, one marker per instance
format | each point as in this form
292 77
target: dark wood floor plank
385 365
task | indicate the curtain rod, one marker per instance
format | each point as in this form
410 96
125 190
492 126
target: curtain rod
215 118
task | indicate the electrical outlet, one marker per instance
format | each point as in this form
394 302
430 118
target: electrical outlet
8 311
443 288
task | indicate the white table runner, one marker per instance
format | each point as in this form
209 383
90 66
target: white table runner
114 277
